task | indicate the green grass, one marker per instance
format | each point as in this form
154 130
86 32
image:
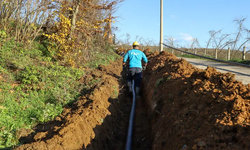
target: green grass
188 56
115 92
103 58
34 89
247 62
192 56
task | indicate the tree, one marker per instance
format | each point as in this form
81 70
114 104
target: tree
24 18
212 36
81 25
170 41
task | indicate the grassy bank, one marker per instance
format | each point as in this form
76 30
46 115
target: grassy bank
34 87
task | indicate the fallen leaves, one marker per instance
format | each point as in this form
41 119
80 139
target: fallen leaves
14 85
1 107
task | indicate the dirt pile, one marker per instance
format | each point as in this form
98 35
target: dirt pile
192 108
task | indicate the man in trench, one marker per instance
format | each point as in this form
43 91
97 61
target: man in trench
135 57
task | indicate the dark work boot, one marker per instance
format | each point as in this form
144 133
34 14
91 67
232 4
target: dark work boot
130 87
137 92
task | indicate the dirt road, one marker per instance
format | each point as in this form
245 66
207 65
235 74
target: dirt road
241 73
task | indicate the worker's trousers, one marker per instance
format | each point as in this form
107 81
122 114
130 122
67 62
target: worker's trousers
136 74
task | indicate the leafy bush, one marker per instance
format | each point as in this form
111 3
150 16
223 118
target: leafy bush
3 35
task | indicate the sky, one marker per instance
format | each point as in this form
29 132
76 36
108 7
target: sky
184 20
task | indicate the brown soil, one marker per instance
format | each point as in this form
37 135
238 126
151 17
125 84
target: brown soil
195 109
182 107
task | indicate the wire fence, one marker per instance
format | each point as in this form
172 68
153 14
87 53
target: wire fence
202 56
224 54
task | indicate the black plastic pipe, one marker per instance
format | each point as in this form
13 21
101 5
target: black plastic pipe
131 120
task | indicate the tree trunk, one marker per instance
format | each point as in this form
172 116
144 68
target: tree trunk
73 21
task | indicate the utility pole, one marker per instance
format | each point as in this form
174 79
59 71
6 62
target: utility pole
161 26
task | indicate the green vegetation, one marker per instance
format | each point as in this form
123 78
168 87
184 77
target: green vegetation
192 56
158 82
188 56
247 62
44 52
115 93
103 57
34 88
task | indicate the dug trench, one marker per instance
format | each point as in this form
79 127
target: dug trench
98 120
182 107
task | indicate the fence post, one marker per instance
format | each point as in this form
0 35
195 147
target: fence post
244 53
114 36
195 50
172 51
228 54
216 51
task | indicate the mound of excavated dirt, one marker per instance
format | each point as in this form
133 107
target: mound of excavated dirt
195 109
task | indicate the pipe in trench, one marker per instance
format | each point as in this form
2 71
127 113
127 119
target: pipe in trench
131 120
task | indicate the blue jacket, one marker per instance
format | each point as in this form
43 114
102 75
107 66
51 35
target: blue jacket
135 56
